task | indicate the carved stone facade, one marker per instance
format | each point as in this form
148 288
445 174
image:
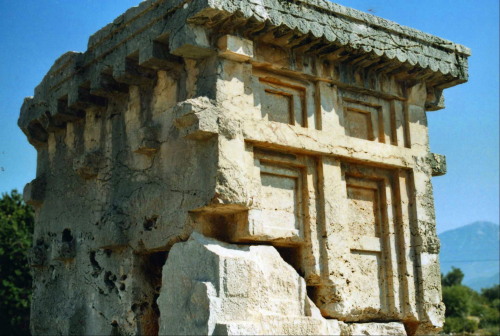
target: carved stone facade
239 167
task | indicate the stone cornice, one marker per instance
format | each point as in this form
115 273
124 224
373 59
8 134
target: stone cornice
143 39
344 26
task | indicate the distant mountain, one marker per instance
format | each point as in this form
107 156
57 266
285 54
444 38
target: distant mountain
473 248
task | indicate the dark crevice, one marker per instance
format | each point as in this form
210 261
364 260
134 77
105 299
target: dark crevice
97 269
292 256
147 312
150 223
67 237
109 281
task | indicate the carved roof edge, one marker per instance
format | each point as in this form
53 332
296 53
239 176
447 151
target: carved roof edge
357 30
122 52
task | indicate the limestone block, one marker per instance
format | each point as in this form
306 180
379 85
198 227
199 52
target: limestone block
211 287
191 42
235 48
34 192
196 119
437 163
391 328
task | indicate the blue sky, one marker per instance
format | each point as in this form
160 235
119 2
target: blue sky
34 33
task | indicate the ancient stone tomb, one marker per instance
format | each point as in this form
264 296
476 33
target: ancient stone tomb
239 167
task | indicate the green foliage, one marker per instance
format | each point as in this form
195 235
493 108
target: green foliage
453 278
490 316
457 300
491 294
459 325
468 311
16 228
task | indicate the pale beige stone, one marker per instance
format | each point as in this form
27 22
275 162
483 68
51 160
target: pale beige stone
211 287
391 328
294 155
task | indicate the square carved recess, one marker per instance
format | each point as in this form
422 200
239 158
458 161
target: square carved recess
283 102
286 100
375 119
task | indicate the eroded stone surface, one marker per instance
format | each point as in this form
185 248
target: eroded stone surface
212 287
293 134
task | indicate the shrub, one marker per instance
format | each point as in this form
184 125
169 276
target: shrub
16 227
457 300
459 325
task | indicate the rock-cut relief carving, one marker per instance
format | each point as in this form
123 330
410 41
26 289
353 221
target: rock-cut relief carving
373 207
375 119
281 206
286 100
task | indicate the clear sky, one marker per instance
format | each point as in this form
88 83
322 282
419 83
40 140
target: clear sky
34 33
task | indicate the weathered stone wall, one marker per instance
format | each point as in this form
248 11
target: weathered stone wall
292 149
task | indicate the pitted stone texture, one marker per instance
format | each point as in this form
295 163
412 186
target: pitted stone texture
387 329
212 287
297 127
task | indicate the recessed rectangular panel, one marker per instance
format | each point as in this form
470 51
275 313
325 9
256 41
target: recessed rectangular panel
281 182
283 101
363 211
367 242
278 106
367 283
369 118
358 124
280 197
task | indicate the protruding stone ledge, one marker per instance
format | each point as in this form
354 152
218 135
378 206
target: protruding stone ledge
435 100
88 164
196 119
104 85
337 25
438 164
156 55
253 227
128 71
191 42
148 143
235 48
34 192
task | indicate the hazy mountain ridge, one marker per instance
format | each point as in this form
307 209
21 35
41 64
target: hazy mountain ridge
474 248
